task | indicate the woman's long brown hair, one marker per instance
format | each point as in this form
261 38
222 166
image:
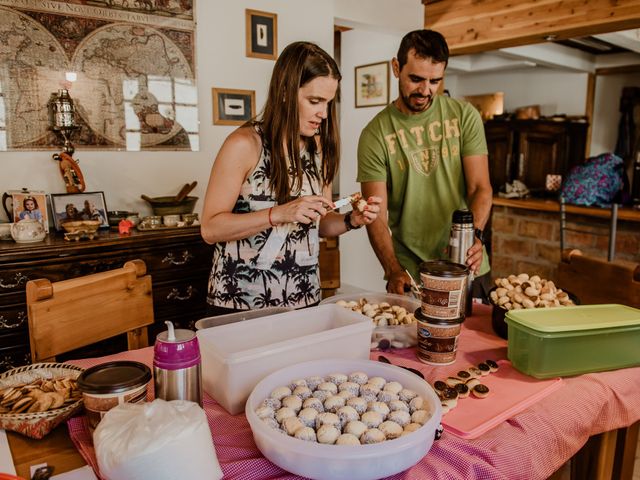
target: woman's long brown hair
298 64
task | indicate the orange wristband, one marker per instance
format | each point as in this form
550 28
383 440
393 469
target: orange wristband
270 222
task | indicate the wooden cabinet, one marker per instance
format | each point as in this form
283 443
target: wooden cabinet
329 260
178 261
528 150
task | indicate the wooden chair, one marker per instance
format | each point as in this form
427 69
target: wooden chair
80 311
583 227
609 455
595 280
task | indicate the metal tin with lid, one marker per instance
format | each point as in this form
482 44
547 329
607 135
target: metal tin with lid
107 385
444 287
176 365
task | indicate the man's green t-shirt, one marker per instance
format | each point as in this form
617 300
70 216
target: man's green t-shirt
420 159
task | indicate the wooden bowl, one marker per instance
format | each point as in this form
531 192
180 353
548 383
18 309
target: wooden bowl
498 314
168 205
81 228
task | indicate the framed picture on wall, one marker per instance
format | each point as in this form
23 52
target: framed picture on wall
28 205
372 84
262 34
233 107
70 207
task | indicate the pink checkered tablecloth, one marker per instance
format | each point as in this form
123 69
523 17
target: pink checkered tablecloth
531 445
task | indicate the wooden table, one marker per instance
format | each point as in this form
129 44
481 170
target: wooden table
608 400
56 449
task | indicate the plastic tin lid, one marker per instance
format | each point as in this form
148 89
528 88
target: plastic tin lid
574 319
443 268
114 377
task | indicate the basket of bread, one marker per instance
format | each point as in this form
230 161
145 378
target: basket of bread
35 399
524 292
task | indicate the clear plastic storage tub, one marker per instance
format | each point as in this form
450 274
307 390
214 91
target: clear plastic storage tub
551 342
238 317
235 357
396 336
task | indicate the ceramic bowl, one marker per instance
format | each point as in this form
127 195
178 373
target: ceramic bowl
5 231
343 462
114 216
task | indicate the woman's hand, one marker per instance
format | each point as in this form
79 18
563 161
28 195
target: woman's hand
306 209
369 213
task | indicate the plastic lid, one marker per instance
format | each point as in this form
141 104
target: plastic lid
571 319
176 349
443 268
462 216
114 377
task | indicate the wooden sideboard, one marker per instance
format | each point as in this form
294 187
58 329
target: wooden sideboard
178 261
528 150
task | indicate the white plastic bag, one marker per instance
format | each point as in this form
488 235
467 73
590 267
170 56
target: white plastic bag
160 440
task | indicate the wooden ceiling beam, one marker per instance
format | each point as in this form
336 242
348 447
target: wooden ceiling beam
472 26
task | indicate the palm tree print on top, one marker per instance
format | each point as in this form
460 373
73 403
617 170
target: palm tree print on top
292 280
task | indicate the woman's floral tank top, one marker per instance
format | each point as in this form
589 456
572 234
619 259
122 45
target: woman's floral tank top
277 267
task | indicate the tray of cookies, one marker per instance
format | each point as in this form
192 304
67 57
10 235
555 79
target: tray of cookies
480 397
34 399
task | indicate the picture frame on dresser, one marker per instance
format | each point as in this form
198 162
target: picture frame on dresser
68 207
28 205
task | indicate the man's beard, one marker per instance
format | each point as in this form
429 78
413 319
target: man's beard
406 99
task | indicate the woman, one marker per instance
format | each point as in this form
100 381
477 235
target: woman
269 192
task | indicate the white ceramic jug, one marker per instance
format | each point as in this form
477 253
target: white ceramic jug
28 231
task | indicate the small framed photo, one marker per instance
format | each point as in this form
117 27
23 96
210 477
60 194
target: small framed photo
70 207
29 205
262 34
233 107
372 84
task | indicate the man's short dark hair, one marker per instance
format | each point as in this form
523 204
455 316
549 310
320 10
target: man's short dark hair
427 44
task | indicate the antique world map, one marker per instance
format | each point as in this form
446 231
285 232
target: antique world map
129 66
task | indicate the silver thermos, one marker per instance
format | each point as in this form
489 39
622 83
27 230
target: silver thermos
460 240
176 365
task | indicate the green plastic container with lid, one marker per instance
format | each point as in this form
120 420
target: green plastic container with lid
564 341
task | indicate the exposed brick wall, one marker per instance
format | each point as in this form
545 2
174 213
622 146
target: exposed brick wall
529 241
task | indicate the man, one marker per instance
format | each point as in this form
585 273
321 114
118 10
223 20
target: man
426 155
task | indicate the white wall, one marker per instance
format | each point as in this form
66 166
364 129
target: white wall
379 25
607 109
396 16
556 92
358 264
220 62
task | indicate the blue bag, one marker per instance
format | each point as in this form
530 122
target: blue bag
595 182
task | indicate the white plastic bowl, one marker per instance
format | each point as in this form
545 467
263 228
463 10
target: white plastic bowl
342 462
405 335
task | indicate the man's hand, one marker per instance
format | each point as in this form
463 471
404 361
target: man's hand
474 256
399 282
